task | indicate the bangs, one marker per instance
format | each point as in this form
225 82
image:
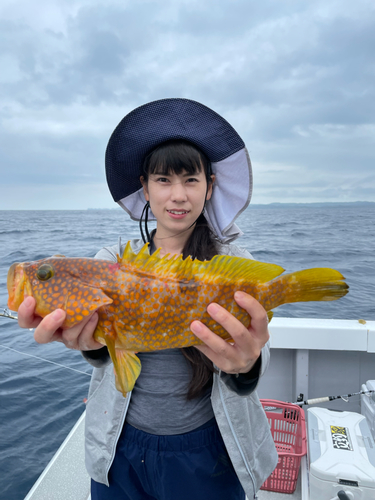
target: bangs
176 157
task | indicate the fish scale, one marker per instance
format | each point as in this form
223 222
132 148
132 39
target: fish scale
147 303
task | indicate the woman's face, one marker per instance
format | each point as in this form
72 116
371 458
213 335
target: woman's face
176 200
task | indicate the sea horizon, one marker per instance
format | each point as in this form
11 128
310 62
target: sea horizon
274 204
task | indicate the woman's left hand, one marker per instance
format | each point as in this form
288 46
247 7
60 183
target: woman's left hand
241 355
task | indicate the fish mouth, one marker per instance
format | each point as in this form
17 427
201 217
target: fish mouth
15 285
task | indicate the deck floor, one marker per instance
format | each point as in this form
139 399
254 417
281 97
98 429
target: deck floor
300 493
270 495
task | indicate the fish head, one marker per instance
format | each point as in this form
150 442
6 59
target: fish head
56 283
30 278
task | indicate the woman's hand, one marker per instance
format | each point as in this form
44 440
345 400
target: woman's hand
49 329
240 356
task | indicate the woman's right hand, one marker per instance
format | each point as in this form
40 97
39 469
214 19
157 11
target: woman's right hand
49 329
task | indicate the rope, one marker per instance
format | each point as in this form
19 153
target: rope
46 360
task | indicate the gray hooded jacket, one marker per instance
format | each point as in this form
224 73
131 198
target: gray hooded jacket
238 411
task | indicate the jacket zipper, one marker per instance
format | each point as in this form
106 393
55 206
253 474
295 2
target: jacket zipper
235 437
120 427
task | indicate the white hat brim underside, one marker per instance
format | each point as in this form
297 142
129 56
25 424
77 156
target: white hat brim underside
231 195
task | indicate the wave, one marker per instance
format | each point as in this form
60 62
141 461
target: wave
16 231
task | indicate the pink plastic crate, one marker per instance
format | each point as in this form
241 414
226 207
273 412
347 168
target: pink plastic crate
288 427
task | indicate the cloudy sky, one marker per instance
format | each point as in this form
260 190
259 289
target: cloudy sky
295 78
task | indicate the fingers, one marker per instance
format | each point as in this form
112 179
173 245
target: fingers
238 332
233 326
259 318
48 329
209 338
26 314
225 356
79 337
239 356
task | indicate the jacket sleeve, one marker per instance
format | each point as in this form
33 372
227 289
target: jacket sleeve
97 358
100 357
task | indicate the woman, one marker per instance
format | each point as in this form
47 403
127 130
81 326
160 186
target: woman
193 426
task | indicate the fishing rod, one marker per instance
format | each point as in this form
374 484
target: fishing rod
344 397
8 314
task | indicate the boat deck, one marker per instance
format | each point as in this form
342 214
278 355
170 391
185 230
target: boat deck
67 479
306 353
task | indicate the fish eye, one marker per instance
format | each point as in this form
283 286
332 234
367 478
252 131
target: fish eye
45 272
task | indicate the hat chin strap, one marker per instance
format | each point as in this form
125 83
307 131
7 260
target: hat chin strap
145 209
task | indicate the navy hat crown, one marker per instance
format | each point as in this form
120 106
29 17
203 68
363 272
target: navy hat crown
144 128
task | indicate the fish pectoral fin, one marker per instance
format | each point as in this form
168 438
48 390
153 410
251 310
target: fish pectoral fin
127 370
82 303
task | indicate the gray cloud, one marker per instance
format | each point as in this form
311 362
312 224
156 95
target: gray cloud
294 78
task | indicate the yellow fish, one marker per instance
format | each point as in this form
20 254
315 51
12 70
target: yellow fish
147 303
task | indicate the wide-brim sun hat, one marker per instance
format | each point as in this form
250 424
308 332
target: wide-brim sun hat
154 123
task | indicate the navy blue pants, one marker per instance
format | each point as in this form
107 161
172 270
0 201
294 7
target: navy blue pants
187 466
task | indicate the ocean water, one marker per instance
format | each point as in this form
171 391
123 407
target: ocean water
42 387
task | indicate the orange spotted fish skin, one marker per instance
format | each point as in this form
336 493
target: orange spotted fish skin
138 311
147 303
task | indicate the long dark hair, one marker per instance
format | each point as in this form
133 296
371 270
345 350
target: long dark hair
179 156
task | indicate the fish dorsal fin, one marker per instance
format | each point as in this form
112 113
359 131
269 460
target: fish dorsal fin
226 269
220 269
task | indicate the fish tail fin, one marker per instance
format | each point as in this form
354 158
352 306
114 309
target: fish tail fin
307 285
127 367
